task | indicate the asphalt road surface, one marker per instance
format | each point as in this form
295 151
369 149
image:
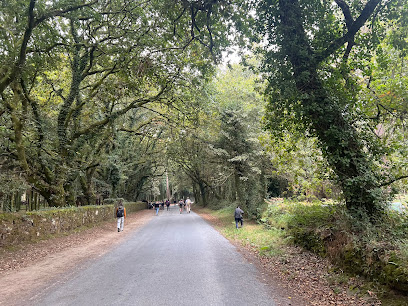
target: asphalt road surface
176 259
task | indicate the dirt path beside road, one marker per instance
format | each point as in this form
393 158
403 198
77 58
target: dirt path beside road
34 266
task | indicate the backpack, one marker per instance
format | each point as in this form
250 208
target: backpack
121 212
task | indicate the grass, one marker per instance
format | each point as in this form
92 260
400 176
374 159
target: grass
267 242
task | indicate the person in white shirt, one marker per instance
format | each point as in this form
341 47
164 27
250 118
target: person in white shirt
188 204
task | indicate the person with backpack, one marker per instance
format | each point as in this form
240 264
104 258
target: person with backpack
181 204
238 216
157 207
188 204
120 215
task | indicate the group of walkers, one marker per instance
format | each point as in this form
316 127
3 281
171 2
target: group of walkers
120 211
185 205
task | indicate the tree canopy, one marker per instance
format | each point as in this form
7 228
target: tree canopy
107 98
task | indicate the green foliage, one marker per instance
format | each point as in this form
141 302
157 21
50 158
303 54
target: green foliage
77 75
355 244
112 200
318 69
308 175
223 206
300 222
216 142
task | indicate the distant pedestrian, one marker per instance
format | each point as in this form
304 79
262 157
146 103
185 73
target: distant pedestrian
188 204
157 207
167 204
238 216
181 204
120 215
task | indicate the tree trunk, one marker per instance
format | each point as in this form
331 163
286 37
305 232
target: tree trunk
203 194
239 192
87 190
339 140
196 194
36 206
31 199
18 201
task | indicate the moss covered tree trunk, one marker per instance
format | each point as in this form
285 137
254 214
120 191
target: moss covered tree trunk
338 138
203 193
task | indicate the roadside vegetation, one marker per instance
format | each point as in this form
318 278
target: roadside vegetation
376 252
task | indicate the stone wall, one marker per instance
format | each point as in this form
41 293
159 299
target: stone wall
37 225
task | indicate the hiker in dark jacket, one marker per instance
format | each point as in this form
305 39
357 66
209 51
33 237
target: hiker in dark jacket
238 216
157 207
120 215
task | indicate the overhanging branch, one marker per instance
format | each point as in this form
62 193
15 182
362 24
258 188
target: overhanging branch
352 30
393 180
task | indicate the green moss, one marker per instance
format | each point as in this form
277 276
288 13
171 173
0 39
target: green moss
7 217
351 260
395 273
39 225
309 240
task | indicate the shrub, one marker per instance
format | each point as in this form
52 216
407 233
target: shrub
113 200
377 251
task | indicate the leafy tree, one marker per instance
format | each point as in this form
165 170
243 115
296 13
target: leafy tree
384 96
299 165
240 109
63 96
217 146
314 54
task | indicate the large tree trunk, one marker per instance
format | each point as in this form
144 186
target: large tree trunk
338 138
203 194
87 188
196 193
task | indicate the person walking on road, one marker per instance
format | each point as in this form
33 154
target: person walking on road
120 215
188 204
238 216
157 207
168 204
181 204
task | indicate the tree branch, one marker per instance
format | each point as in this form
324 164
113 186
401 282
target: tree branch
393 181
352 30
31 24
346 12
56 13
18 66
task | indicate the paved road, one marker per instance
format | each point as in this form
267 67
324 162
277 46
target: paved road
173 260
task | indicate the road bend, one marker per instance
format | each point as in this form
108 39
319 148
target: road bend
175 259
